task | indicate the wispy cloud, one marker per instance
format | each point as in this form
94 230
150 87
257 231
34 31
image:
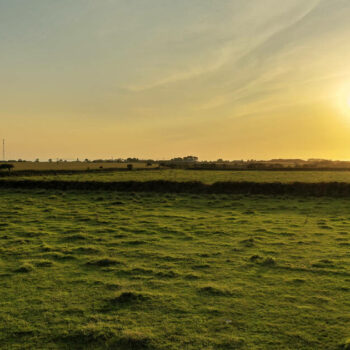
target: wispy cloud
235 53
190 73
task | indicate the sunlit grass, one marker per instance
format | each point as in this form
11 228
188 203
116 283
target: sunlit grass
107 270
205 176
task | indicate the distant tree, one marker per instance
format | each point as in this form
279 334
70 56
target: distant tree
255 165
37 160
50 160
190 159
185 159
6 167
129 166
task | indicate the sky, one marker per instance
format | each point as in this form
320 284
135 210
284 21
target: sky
231 79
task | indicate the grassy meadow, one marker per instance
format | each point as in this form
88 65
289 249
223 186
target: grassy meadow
109 270
205 176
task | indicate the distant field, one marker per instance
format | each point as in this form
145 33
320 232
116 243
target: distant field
205 176
40 166
108 270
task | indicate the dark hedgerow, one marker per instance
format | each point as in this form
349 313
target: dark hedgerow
333 189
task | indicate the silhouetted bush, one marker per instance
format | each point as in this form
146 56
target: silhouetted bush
6 167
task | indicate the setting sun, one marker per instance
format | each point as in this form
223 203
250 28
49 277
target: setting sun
342 100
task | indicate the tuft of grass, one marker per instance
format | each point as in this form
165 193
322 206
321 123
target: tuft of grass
268 262
323 263
116 203
255 258
127 298
25 268
297 281
248 242
88 250
167 274
77 237
59 256
213 290
105 262
43 263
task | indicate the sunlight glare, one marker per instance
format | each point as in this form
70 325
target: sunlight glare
343 99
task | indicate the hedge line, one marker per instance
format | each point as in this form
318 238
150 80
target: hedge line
38 172
334 189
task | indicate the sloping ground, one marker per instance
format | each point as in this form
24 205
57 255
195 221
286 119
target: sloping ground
108 270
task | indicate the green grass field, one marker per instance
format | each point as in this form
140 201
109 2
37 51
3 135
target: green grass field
205 176
108 270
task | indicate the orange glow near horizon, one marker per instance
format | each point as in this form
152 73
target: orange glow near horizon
233 80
